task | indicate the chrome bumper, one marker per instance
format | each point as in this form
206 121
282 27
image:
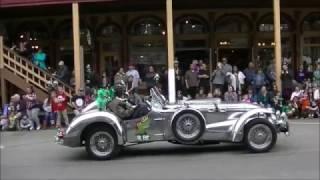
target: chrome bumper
282 124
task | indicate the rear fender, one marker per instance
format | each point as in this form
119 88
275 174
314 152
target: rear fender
243 120
79 124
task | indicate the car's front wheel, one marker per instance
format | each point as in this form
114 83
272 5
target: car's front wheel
260 136
102 143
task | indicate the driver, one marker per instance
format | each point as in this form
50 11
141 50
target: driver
119 105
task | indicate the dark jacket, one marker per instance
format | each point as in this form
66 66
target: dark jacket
120 108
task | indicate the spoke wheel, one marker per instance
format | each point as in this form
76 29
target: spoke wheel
188 128
260 136
101 143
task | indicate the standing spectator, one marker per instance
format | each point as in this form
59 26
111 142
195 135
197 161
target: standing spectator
49 117
192 81
250 74
230 96
203 76
120 77
301 76
316 75
286 77
63 72
271 74
225 66
259 80
73 80
238 80
178 76
104 80
90 76
263 97
135 78
32 107
195 65
40 58
309 72
61 101
164 82
150 78
218 77
78 102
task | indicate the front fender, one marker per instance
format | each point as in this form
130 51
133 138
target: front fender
81 122
243 120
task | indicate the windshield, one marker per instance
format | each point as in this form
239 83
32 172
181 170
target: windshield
157 99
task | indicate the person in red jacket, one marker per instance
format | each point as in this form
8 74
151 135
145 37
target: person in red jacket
61 103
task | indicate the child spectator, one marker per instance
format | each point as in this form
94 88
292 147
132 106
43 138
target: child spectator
263 97
49 118
78 102
61 107
246 99
230 96
26 123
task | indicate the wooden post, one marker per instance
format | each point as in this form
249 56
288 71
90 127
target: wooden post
2 80
277 40
171 74
78 60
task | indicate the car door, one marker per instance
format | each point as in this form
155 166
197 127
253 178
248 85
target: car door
145 129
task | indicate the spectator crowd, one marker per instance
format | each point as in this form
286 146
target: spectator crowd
299 96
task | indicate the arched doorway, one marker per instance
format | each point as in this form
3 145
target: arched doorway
265 40
232 39
191 42
311 39
109 38
147 37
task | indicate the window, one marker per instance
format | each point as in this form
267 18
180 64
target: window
312 22
147 26
232 24
109 30
191 25
266 24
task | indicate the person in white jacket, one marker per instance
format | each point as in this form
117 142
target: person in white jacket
237 79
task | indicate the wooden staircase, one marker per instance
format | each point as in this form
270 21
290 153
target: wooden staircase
22 73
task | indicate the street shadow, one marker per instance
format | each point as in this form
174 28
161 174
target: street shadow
165 150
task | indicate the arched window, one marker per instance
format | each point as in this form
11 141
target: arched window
64 30
109 30
191 25
311 22
147 26
232 24
266 23
36 30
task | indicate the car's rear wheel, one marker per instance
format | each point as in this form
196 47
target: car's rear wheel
188 128
260 136
102 143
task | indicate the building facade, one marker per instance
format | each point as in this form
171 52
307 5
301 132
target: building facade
111 40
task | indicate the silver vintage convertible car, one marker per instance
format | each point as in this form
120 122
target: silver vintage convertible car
193 122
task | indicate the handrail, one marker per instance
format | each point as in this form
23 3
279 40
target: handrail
31 73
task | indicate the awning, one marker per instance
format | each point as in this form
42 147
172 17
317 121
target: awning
18 3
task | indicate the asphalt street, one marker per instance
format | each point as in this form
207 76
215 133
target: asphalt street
34 155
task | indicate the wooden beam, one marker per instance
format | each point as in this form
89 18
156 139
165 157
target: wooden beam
277 40
171 74
78 60
3 86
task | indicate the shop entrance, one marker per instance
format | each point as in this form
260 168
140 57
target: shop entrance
239 57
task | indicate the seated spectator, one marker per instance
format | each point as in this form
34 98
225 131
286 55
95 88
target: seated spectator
305 105
252 96
297 93
217 93
63 72
26 123
246 99
230 96
263 97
